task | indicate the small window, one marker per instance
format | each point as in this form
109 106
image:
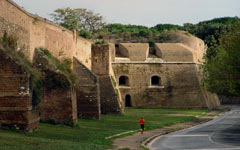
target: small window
123 80
128 102
155 81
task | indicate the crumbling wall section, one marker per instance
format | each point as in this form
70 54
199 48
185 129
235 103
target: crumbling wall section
58 103
15 96
87 90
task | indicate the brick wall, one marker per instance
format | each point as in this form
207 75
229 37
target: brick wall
58 104
15 96
87 90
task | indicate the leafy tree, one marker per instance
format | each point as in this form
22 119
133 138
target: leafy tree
222 72
162 27
85 21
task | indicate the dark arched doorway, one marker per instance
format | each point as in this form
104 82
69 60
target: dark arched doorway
128 102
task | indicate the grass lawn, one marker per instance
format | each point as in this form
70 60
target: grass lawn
90 134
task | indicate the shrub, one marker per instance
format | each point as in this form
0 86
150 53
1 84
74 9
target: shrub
62 76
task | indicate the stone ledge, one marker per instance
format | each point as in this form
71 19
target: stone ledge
156 87
124 87
148 62
16 108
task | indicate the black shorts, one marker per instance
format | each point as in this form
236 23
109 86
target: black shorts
142 126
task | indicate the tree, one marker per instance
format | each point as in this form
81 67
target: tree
222 71
83 20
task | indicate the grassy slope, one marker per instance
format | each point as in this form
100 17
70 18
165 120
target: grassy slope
90 134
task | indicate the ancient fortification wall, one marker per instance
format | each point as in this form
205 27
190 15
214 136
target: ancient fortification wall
87 90
34 32
179 85
175 70
101 66
134 51
58 102
15 96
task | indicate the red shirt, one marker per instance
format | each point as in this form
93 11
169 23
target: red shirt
141 121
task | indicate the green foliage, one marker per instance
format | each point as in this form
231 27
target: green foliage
86 34
64 77
36 83
214 28
85 21
35 20
91 134
113 81
9 41
205 30
100 42
151 43
222 65
163 27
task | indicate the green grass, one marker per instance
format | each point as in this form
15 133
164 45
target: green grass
91 134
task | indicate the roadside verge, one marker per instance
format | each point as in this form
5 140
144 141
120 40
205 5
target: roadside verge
138 141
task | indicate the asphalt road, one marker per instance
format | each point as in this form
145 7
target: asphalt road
222 133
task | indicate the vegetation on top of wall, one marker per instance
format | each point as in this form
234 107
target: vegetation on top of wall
63 76
113 81
91 25
8 45
100 42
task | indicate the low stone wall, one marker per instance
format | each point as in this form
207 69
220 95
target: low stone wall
87 90
15 96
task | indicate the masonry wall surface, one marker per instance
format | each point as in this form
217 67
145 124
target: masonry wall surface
101 66
87 91
58 104
35 32
15 96
179 88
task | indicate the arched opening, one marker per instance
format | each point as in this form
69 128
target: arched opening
155 80
128 102
123 80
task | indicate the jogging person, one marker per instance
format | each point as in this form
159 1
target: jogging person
141 121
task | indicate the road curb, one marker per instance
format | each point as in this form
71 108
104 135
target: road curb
117 135
148 140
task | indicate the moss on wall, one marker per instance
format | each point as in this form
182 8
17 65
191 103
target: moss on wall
64 78
8 45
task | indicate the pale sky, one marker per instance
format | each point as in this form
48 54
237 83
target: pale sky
141 12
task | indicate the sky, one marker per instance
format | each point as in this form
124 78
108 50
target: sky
141 12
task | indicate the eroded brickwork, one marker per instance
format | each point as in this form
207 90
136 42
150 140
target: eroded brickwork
58 104
15 96
87 90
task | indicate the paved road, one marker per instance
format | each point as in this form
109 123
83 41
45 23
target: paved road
222 133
